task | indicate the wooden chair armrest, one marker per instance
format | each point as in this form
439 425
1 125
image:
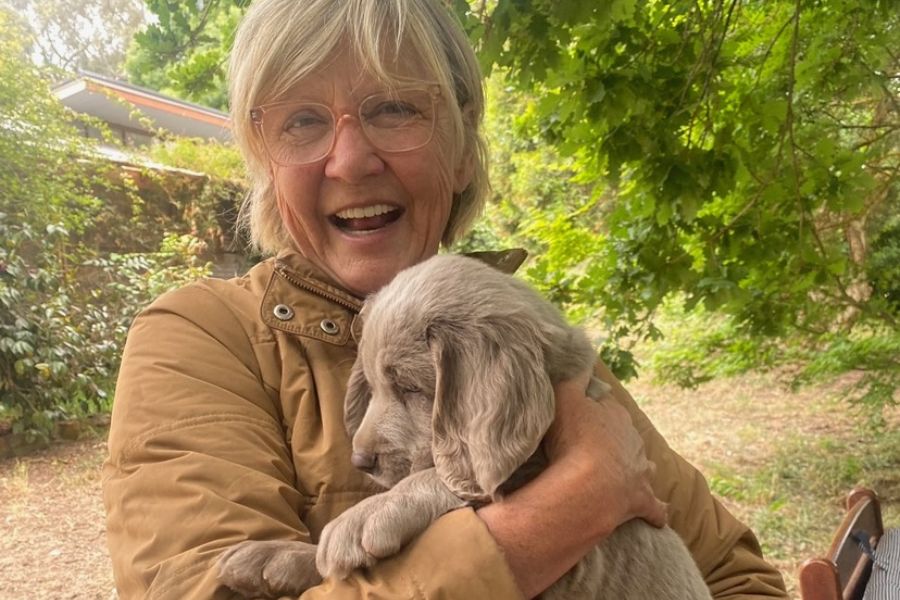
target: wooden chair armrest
843 572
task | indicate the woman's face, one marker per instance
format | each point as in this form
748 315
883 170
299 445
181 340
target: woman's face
362 214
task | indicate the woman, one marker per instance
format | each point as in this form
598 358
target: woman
359 121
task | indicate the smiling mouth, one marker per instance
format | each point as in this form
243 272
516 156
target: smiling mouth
366 218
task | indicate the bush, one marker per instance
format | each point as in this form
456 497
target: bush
63 324
884 264
65 308
873 354
697 345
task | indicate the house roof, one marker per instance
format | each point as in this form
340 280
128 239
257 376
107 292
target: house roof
113 101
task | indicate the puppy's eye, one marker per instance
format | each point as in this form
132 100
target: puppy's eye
411 394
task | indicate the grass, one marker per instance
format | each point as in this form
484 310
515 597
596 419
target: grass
785 500
782 461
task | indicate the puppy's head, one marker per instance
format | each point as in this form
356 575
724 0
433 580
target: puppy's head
388 407
446 380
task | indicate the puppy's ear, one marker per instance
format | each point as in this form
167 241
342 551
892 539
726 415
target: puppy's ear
493 403
356 402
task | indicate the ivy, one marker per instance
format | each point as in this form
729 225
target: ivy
68 288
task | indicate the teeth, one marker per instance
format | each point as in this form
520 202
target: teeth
364 211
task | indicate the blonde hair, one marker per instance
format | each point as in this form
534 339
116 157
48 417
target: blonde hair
279 42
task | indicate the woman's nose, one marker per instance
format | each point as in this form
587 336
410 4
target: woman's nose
352 155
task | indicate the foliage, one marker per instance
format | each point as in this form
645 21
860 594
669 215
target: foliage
65 33
64 308
218 160
883 266
62 329
37 141
875 355
741 154
698 346
205 194
184 52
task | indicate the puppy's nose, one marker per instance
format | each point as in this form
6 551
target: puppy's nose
364 461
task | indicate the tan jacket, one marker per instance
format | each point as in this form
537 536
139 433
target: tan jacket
227 425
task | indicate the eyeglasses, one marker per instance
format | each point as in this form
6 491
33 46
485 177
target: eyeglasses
299 133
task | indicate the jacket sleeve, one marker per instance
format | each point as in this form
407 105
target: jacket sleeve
726 551
198 462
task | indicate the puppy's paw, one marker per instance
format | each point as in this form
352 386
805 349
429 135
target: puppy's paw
377 527
392 524
269 569
385 532
340 548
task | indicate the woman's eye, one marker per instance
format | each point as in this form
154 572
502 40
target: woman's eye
305 122
398 108
391 113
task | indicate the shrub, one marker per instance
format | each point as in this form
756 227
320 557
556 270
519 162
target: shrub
65 307
63 324
697 345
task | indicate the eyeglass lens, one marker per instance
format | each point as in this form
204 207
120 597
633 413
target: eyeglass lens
299 133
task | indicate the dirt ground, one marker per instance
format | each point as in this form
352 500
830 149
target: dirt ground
52 542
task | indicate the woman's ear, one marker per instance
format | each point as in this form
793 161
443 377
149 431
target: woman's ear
493 403
356 402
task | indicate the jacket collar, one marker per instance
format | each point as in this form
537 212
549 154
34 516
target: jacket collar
294 267
507 261
302 300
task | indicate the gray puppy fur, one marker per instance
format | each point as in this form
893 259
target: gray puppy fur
447 403
450 396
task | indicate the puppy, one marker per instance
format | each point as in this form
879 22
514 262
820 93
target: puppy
449 398
447 403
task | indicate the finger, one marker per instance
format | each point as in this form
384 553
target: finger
658 515
575 387
582 379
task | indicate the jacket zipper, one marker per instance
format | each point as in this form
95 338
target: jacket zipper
317 291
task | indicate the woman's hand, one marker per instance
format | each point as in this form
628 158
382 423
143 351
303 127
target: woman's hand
597 479
601 438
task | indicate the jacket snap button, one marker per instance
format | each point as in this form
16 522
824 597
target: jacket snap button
283 312
329 326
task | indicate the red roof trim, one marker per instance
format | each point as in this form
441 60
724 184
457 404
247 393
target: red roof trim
142 100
